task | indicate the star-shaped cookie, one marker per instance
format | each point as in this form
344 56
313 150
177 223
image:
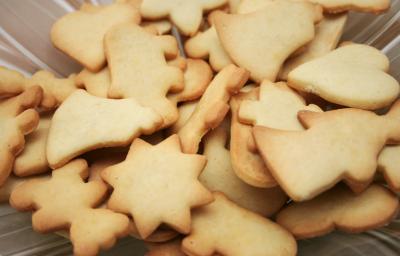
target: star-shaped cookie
157 184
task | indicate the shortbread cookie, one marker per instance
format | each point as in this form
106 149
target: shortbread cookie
185 111
287 26
11 82
225 228
17 118
55 90
247 164
389 164
162 234
335 6
352 75
207 45
327 36
65 201
186 15
139 70
212 107
96 83
197 77
338 144
85 122
341 209
218 175
80 34
162 26
277 107
32 159
157 184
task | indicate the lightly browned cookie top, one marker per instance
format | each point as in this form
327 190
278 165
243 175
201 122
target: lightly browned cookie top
341 209
338 145
18 117
157 184
287 26
65 201
139 70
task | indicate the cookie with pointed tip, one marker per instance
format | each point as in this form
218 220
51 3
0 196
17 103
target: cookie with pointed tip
277 107
85 122
32 159
197 76
225 228
287 26
372 6
247 164
338 145
218 175
161 234
11 82
160 174
80 34
207 45
340 209
65 202
327 36
186 15
138 67
18 118
353 75
212 106
389 164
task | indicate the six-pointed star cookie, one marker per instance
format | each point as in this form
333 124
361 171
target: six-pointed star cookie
157 184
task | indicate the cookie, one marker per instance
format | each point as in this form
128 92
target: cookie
160 235
248 165
32 159
11 82
372 6
225 228
95 83
233 5
353 75
80 34
327 36
17 119
55 90
162 175
185 111
288 25
212 106
277 107
6 189
218 175
208 46
65 201
197 76
186 15
85 122
389 164
338 145
138 67
340 209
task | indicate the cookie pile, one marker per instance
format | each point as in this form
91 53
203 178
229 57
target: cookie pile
262 131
